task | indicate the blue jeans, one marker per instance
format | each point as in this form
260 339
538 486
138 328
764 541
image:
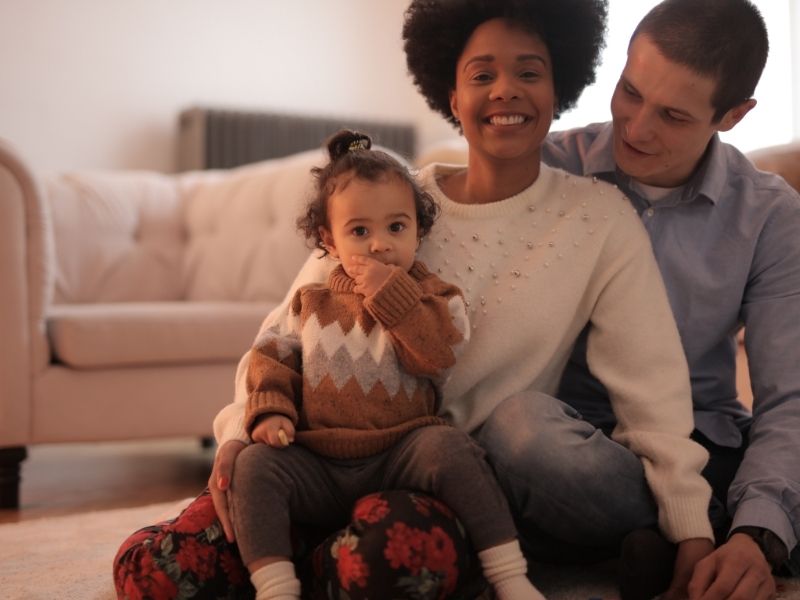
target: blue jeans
573 491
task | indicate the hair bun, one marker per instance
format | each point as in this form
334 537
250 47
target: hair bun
346 141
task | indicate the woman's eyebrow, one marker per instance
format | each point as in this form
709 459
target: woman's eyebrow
520 58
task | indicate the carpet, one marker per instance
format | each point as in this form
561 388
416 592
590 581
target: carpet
69 558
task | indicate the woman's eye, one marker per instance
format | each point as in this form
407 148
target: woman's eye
529 75
397 227
481 76
359 231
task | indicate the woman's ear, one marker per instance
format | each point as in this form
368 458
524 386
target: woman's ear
327 239
454 105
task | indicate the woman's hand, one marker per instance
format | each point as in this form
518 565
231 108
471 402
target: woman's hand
274 430
220 481
369 274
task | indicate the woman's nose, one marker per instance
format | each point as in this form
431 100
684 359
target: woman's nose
504 88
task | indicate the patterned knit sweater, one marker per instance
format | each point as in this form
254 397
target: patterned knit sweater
355 374
534 269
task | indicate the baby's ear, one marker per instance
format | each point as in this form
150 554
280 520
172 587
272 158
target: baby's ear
327 239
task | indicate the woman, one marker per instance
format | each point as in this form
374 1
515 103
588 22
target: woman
538 255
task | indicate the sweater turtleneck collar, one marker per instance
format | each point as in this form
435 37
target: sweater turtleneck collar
339 281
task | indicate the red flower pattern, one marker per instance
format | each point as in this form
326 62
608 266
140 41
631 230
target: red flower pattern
351 568
144 580
371 509
201 559
418 537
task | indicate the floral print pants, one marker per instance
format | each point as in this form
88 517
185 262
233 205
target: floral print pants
398 544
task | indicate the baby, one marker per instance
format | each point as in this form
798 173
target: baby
343 388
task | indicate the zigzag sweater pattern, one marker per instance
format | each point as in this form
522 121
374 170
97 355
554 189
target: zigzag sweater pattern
355 374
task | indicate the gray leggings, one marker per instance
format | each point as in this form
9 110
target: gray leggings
272 487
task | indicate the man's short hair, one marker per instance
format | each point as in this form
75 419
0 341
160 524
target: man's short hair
723 39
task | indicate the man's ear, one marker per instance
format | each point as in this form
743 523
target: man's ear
736 114
327 239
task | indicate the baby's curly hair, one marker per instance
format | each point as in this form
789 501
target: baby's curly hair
351 157
436 31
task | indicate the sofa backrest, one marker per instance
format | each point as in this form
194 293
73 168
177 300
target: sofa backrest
121 236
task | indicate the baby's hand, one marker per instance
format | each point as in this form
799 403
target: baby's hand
275 430
369 274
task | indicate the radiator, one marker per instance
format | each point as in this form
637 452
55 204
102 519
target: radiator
221 138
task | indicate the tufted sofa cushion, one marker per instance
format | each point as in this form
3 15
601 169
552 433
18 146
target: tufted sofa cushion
242 238
117 236
155 269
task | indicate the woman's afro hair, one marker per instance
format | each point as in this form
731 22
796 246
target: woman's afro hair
436 31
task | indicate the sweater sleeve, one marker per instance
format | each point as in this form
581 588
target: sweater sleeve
634 348
229 424
426 319
274 379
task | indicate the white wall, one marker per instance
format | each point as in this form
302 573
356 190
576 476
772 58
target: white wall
775 120
99 83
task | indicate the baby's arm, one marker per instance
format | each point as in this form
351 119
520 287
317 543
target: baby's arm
426 319
273 430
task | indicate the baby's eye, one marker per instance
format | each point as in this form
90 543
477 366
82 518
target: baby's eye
397 227
359 231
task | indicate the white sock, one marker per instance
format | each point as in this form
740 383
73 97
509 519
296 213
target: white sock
504 567
276 581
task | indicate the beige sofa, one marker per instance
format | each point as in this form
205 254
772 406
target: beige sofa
127 298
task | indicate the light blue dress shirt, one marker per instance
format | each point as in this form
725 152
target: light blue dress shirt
728 246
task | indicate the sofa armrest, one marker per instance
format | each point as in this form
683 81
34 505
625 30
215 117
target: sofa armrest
25 287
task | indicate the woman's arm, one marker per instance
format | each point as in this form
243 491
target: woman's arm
634 349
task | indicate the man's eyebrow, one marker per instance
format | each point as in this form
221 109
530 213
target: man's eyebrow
674 109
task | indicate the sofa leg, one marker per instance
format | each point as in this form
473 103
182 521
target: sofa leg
10 465
207 441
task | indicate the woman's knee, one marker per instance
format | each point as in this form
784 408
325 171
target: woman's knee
547 458
531 431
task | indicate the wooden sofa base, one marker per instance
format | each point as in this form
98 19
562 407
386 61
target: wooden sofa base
10 466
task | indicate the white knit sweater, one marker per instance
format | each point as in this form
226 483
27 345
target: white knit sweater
534 269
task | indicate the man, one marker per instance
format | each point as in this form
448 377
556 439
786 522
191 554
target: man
726 240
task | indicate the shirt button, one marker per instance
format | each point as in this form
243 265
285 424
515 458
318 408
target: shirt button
649 212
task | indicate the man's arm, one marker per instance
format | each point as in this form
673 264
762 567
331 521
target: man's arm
766 490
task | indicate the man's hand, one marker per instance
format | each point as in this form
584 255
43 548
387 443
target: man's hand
274 430
737 569
369 274
689 553
220 481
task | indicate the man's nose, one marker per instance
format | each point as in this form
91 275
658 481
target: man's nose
639 126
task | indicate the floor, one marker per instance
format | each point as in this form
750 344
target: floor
64 479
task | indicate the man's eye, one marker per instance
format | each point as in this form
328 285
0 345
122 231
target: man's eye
674 117
397 227
630 91
359 231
